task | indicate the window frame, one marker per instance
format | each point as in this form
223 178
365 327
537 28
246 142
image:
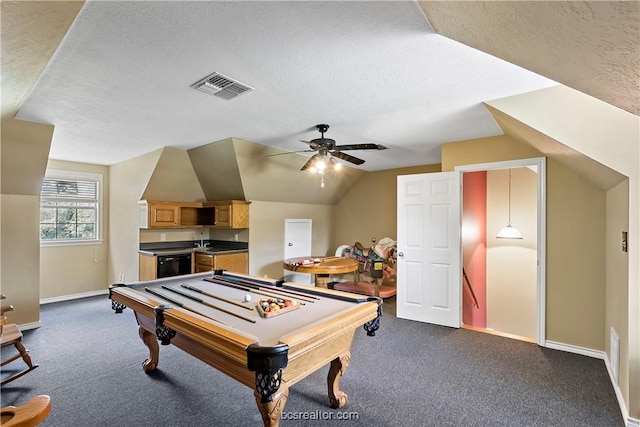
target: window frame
76 176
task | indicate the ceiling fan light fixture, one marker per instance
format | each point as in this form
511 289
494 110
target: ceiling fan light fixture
320 164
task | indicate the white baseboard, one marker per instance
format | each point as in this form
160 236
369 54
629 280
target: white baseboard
36 325
633 422
596 354
73 296
629 422
27 326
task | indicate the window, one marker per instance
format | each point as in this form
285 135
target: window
70 207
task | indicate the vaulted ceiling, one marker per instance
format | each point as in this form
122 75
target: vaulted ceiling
409 75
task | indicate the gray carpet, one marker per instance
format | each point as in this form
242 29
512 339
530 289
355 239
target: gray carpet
410 374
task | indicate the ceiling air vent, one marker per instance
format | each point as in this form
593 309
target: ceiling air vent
222 86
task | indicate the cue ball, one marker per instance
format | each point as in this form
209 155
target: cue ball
247 298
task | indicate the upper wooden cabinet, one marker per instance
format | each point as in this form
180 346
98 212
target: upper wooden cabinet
156 214
218 214
229 213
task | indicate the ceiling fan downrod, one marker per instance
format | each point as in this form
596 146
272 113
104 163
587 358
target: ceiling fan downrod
322 128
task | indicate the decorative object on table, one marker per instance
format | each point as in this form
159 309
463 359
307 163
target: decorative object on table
269 307
374 267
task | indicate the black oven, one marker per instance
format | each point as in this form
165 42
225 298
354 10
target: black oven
173 265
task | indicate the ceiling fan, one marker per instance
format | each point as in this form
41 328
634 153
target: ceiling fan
327 148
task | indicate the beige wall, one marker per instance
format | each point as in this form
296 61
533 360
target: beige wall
511 264
77 269
266 242
174 179
575 240
128 182
25 149
611 137
576 264
617 291
369 210
20 246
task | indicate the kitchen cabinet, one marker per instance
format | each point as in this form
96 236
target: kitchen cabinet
159 214
237 262
218 214
156 214
150 267
147 267
229 213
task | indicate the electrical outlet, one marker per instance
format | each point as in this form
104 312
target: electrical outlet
163 237
235 237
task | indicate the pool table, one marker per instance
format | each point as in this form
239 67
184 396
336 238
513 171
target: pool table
207 316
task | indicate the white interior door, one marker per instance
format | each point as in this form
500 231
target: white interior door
428 269
297 244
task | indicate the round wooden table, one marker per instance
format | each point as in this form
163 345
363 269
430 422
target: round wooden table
323 268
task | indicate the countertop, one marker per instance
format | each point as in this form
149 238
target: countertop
181 251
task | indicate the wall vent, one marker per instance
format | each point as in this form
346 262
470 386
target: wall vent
614 356
222 86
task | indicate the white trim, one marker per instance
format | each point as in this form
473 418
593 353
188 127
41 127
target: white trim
87 176
51 243
73 296
629 422
541 163
27 326
623 407
596 354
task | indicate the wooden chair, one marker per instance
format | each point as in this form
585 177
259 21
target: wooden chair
30 414
11 335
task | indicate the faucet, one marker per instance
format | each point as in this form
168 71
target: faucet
202 245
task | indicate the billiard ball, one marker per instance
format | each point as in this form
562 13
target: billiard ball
247 298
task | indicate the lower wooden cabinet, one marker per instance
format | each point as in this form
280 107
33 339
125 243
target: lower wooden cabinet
236 262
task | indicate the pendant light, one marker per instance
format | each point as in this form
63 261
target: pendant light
509 232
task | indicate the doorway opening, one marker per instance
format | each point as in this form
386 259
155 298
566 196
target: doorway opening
503 279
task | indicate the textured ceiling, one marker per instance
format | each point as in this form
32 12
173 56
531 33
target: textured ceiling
31 31
119 84
593 47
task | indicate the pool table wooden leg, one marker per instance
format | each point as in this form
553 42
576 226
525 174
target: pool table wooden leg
338 366
151 342
271 411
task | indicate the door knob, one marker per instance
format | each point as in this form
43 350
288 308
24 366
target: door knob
290 244
401 254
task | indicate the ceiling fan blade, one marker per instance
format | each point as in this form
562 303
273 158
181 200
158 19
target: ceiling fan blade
308 164
366 146
347 157
290 152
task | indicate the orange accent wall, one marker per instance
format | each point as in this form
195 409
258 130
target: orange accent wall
474 244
